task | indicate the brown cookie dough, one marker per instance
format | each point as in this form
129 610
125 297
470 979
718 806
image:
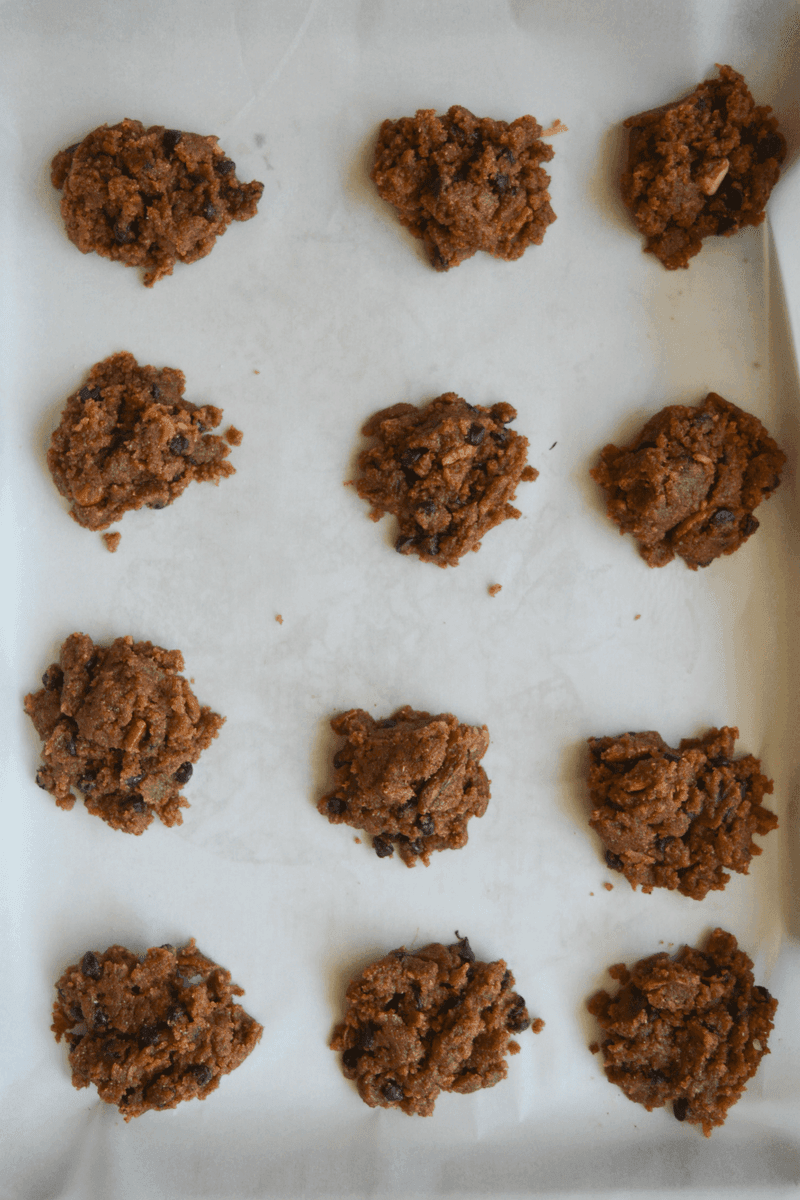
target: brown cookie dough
462 183
689 482
151 1031
704 165
149 197
448 471
678 819
689 1030
412 779
127 439
425 1021
121 726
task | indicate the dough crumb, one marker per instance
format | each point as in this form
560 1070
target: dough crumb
233 436
608 886
689 1030
121 726
678 819
279 618
462 183
419 1022
495 588
149 197
150 1031
128 439
412 780
447 471
112 541
689 482
701 166
594 1047
637 617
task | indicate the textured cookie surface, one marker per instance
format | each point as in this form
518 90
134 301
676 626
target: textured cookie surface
447 471
151 1031
424 1021
689 1030
679 819
149 197
121 725
412 780
702 166
689 482
464 183
128 438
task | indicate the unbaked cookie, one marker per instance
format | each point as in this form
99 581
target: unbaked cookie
149 197
120 725
463 184
151 1031
128 439
689 482
448 471
412 780
421 1022
679 819
689 1030
704 165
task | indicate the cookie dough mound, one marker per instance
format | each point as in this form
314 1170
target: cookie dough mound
121 725
151 1031
704 165
464 184
448 471
149 197
689 1030
413 780
678 819
426 1021
128 438
690 481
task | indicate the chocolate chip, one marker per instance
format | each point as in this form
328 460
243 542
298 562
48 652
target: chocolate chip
720 761
500 183
427 508
52 678
92 664
749 525
394 1004
505 981
464 949
350 1058
126 1096
411 456
723 516
416 992
155 391
174 1014
614 861
72 747
670 757
336 806
762 994
133 780
658 1077
517 1020
86 782
90 966
404 545
111 1050
179 444
426 825
770 147
416 847
387 723
148 1036
224 166
40 780
680 1108
724 225
509 154
202 1072
475 434
500 436
135 803
99 1018
702 104
732 197
431 544
183 774
87 393
392 1092
171 139
124 234
340 759
382 848
662 843
158 505
71 149
454 1001
703 420
209 211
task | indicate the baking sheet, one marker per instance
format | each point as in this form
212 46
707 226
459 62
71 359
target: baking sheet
302 323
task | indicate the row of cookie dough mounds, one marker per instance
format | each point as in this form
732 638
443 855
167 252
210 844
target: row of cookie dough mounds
701 166
677 819
150 1032
688 483
421 1022
149 197
463 183
412 780
128 439
447 471
689 1030
120 725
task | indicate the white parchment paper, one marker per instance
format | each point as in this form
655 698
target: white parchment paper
302 323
